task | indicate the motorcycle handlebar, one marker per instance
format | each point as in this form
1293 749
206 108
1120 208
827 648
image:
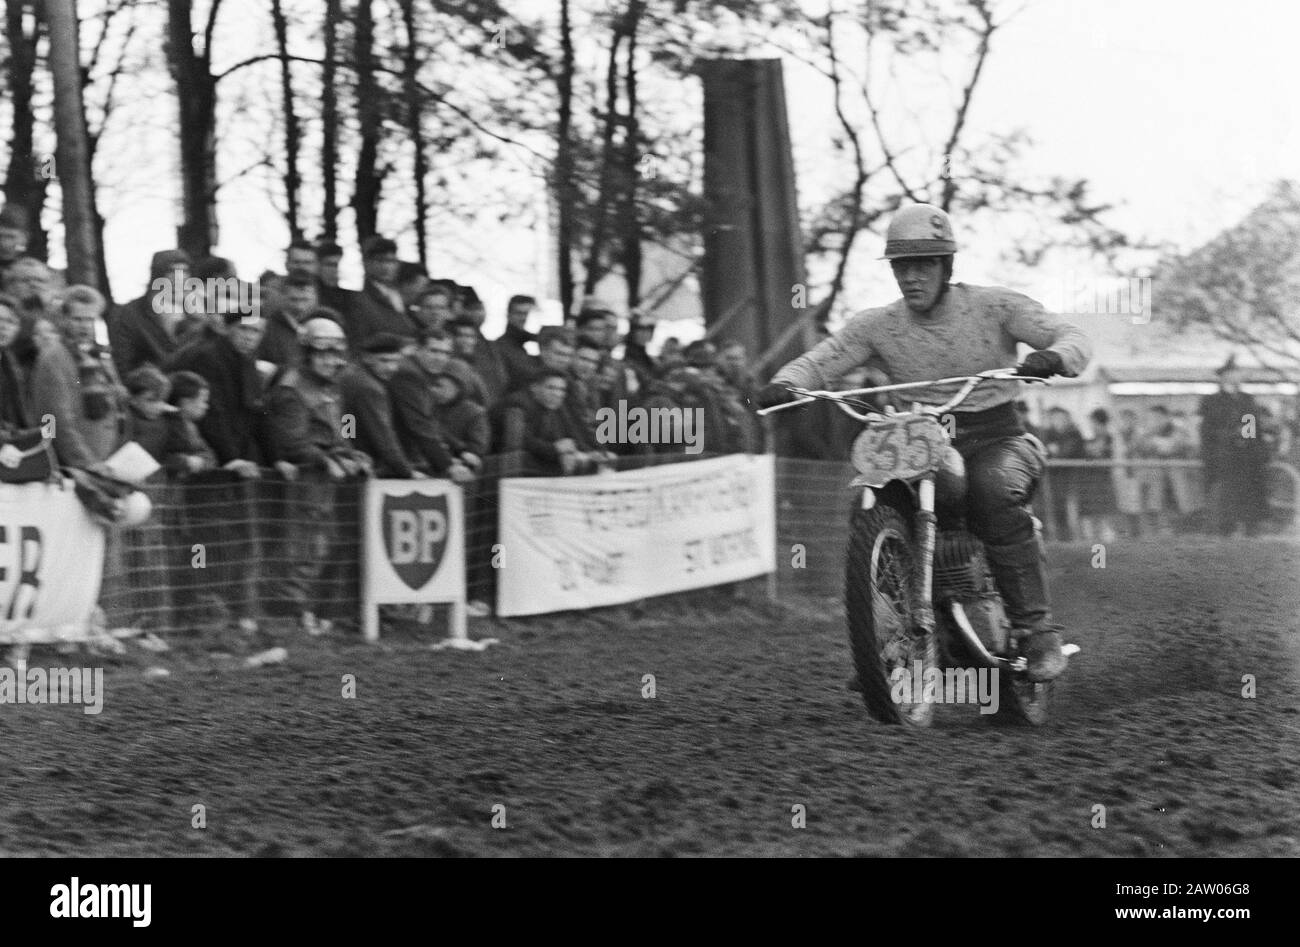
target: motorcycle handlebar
841 398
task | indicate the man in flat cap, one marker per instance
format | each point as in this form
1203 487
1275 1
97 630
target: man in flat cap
379 307
364 387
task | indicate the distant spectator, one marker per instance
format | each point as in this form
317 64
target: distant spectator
483 358
364 389
583 398
145 329
1128 484
15 413
300 298
1063 441
379 307
433 307
414 408
148 389
464 423
411 281
1160 440
76 383
1096 486
328 256
468 343
304 407
185 452
1235 458
14 234
30 284
535 421
670 356
519 364
225 357
636 353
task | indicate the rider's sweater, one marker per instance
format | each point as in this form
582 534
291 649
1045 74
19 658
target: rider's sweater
972 329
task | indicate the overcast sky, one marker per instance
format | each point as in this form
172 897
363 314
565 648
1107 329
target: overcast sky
1180 111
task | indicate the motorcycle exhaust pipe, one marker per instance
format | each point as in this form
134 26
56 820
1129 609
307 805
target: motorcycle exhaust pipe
977 647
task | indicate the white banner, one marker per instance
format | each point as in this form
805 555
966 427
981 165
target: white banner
51 563
580 542
413 548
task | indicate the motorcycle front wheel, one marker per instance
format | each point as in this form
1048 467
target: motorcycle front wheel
888 647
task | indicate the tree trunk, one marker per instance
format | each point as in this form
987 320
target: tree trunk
73 154
330 124
411 92
26 180
596 267
365 195
196 93
564 196
292 133
631 224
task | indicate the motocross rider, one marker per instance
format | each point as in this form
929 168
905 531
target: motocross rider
940 329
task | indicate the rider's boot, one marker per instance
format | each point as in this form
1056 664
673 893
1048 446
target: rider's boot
1020 571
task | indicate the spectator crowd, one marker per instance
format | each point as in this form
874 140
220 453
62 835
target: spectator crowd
298 379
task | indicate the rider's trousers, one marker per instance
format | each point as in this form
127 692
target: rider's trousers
1002 474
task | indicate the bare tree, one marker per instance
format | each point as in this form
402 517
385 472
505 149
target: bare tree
25 181
1243 284
81 234
369 176
414 104
292 131
330 122
196 98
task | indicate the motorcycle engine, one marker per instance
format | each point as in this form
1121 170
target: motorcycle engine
961 573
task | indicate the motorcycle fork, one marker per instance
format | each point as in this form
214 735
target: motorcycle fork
926 530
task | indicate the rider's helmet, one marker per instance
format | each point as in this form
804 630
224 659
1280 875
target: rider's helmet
322 335
919 230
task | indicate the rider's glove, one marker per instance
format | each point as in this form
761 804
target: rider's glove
769 396
1041 364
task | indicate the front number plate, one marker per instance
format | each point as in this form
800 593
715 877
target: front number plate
898 449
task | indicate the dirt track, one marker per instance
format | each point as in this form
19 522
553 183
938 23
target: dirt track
750 718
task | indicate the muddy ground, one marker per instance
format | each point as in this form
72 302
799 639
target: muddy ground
750 718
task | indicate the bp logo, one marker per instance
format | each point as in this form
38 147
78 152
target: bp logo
415 536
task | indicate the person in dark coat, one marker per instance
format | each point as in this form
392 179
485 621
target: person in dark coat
414 411
379 307
299 299
144 329
225 357
534 420
510 345
1234 454
148 390
464 423
1064 441
364 389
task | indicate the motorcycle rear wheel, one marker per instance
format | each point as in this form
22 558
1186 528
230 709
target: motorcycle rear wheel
879 592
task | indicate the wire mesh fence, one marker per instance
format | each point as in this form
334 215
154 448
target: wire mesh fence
220 549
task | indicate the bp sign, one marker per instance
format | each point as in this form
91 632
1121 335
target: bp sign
414 539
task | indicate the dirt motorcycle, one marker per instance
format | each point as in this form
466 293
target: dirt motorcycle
921 601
